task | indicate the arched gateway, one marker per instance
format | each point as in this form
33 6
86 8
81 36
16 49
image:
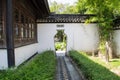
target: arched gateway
80 36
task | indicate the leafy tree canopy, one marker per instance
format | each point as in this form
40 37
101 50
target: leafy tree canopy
106 11
60 8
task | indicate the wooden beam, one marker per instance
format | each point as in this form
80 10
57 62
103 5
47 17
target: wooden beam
47 6
42 8
40 12
9 33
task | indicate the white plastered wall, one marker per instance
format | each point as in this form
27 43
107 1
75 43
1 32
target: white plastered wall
80 36
25 52
116 40
3 59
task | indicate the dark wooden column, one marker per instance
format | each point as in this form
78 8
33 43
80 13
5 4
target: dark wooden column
9 33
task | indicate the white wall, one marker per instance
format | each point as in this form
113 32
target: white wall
3 59
46 35
24 52
116 40
80 36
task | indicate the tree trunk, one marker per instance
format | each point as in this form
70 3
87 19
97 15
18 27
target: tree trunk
110 52
107 51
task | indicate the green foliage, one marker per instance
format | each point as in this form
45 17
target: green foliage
92 70
60 40
115 63
60 8
81 6
55 7
102 47
69 9
105 10
42 67
60 46
60 36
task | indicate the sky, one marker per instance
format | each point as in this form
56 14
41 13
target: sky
64 1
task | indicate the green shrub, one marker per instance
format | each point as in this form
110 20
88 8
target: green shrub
42 67
92 70
102 47
60 46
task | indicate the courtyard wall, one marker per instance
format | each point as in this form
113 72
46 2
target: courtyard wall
80 36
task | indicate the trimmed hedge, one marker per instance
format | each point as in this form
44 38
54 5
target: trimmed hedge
42 67
90 69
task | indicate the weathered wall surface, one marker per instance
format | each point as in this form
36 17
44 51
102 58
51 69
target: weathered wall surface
116 42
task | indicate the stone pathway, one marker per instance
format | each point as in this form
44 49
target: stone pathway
65 69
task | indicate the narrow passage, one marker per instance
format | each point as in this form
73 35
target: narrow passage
65 69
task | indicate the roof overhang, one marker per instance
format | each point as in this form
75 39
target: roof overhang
40 7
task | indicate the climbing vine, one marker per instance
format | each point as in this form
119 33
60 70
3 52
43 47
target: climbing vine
106 11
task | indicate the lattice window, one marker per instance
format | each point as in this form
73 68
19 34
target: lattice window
30 28
16 25
2 22
33 30
24 28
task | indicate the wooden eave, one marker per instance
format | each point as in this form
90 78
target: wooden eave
38 8
41 8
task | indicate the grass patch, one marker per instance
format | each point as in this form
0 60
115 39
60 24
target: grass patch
42 67
113 63
91 69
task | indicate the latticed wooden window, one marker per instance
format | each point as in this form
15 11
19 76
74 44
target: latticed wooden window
2 22
24 27
30 28
33 30
16 25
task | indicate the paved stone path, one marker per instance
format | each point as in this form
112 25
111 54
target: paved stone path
65 69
